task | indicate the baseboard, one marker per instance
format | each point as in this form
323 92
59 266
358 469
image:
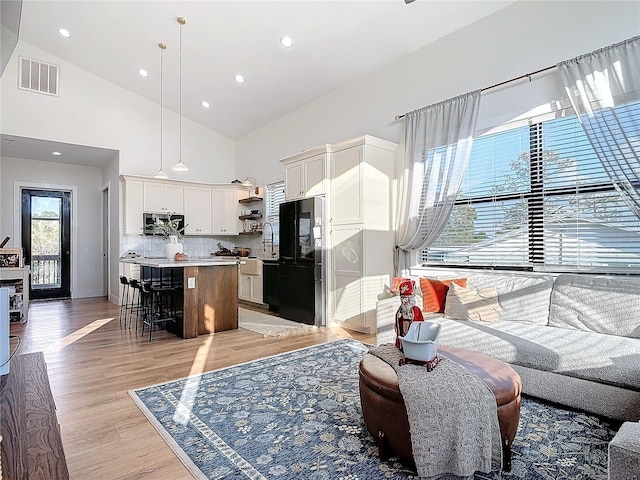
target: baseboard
88 294
355 328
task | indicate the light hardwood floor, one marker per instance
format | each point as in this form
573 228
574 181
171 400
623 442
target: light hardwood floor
93 362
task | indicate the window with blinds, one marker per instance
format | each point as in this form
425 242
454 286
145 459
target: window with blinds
537 197
274 197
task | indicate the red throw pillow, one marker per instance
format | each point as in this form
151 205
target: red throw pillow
395 286
434 293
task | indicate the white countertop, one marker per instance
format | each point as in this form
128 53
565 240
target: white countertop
192 262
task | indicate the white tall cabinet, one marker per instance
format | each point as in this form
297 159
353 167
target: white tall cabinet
361 237
356 178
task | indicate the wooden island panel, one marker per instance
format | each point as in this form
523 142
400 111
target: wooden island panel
212 306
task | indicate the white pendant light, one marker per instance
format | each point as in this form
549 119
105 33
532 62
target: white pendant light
161 173
180 166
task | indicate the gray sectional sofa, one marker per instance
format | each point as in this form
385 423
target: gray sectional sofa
574 339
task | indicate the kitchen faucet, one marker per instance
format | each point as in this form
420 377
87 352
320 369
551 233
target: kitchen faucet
264 240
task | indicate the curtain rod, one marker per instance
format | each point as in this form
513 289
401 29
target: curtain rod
526 75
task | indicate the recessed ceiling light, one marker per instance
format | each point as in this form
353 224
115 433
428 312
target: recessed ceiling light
239 78
143 72
205 104
57 154
64 32
286 42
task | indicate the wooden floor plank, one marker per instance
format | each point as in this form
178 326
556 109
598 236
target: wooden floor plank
93 362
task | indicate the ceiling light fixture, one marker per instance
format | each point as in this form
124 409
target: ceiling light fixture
286 42
180 166
161 173
205 104
57 154
239 78
64 32
143 72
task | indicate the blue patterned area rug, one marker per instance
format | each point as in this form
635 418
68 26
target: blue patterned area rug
297 416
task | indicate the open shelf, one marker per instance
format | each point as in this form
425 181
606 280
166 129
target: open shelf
254 232
253 216
250 200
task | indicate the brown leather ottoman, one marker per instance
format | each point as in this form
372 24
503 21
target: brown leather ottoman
385 414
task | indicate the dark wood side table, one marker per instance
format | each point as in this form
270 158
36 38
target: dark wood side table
31 442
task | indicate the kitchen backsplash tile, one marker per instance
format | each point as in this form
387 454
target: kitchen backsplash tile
150 246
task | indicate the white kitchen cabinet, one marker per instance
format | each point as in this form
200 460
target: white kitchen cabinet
293 180
361 236
133 206
361 265
250 288
197 210
361 173
225 211
163 197
305 174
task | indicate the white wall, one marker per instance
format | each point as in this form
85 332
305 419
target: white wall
110 180
91 111
519 39
86 245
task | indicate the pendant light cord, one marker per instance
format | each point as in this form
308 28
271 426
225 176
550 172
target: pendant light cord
180 166
161 173
162 47
181 21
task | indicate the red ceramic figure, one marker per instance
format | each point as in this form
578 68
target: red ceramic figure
408 312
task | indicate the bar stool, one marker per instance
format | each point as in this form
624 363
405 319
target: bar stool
158 305
124 301
136 302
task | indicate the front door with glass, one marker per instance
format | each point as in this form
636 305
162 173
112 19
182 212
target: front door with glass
46 240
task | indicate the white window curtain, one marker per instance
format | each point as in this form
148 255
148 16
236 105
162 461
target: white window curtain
437 144
602 85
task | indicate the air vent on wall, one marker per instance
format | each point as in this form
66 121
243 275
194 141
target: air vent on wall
38 76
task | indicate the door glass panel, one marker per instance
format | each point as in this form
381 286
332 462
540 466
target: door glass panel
46 242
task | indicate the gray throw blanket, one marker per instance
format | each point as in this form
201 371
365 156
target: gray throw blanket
452 415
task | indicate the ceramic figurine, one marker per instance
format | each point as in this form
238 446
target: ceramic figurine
408 312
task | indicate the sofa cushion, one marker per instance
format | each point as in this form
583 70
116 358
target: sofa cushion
434 292
523 297
472 303
597 303
591 356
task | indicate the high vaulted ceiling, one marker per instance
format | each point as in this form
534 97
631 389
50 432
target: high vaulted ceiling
334 42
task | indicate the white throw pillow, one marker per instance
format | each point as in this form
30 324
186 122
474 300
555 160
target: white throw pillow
480 304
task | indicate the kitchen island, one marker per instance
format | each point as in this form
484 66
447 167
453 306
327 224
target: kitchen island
210 291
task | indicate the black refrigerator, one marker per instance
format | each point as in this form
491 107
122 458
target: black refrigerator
300 262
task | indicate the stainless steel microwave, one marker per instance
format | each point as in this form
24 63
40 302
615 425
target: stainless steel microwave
151 219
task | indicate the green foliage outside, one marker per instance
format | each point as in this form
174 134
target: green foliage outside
45 234
461 228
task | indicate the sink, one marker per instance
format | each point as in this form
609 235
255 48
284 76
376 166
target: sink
252 266
269 259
